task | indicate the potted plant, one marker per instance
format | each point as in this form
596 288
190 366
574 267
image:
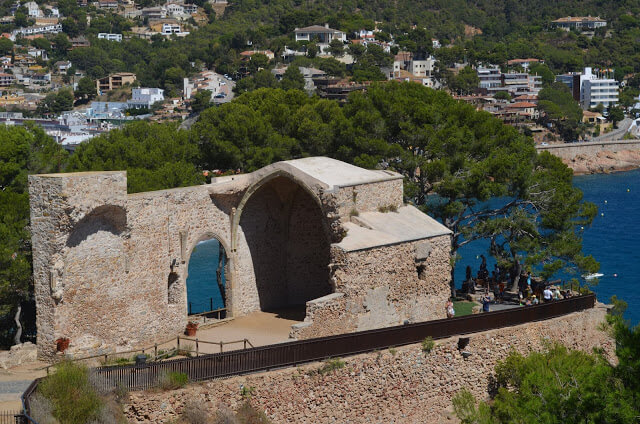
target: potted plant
192 327
62 344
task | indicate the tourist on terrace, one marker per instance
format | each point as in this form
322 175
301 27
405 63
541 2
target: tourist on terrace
535 300
556 293
451 312
486 301
547 294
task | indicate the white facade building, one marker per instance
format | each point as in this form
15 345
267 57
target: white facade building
595 89
38 29
110 37
33 10
145 97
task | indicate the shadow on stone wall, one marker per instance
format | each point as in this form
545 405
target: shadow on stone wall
104 218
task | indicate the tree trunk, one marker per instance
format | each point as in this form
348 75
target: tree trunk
453 280
18 336
219 275
517 270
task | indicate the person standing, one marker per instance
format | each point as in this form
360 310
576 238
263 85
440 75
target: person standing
486 301
451 312
547 294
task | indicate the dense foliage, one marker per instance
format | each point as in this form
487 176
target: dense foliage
563 386
22 151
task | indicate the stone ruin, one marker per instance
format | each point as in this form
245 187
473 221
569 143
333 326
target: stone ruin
110 268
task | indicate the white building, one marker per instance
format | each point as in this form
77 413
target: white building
33 10
173 29
493 80
175 9
322 35
581 23
145 97
38 29
421 67
110 37
597 88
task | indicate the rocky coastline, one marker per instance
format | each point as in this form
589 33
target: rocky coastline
604 162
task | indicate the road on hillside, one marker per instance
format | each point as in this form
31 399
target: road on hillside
617 134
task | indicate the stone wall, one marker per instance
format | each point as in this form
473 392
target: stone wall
402 385
110 268
597 157
383 287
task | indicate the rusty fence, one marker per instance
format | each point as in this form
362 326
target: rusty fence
11 417
262 358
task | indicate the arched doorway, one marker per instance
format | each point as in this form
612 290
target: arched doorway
284 228
206 277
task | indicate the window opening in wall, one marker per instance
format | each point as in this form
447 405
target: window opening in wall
206 280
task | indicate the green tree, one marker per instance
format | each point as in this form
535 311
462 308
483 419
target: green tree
86 88
559 107
23 150
6 46
548 77
155 156
201 101
336 48
615 115
560 386
292 79
465 82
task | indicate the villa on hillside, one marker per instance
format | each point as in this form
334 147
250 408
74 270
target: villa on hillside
587 23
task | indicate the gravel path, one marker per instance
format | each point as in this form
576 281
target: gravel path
18 386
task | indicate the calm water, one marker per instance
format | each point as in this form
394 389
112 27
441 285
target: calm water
613 238
202 288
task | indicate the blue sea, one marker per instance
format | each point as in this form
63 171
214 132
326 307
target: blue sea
203 293
613 239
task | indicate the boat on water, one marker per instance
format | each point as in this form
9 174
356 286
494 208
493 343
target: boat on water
592 276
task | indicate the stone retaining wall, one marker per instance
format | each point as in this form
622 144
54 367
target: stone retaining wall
403 385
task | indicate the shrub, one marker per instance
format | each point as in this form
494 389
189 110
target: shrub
354 212
428 344
388 208
172 380
71 394
248 414
185 350
195 412
331 365
393 351
42 410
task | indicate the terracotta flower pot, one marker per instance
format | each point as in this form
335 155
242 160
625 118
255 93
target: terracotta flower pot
191 329
62 344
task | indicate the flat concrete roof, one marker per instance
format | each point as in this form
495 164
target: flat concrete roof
333 172
375 229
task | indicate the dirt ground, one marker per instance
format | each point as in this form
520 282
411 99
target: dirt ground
260 328
14 381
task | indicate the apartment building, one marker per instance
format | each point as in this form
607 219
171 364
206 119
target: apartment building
115 81
591 88
598 89
110 37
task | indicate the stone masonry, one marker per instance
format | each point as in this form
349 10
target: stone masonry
110 268
402 385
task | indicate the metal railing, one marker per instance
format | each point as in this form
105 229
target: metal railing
157 352
262 358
